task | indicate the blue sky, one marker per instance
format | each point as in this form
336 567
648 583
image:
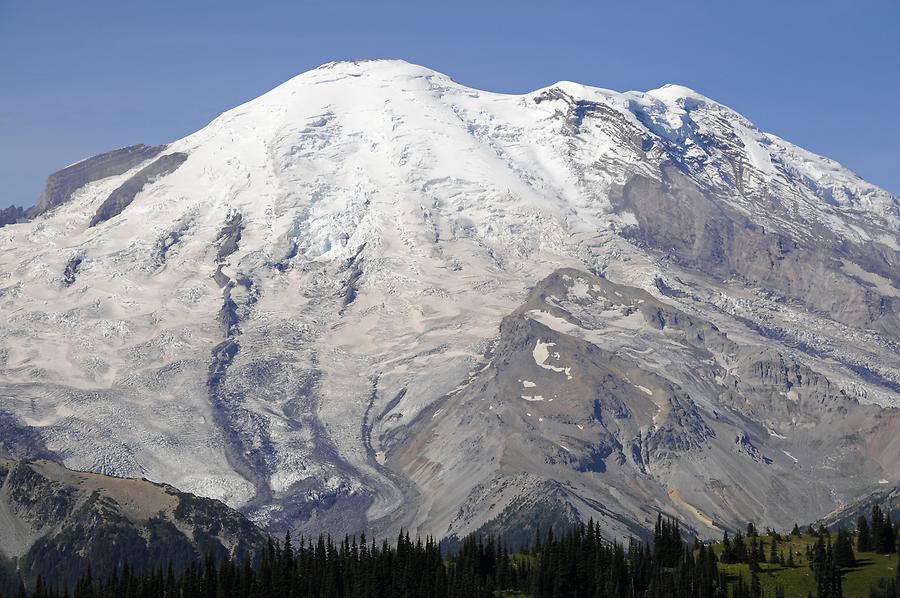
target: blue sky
79 78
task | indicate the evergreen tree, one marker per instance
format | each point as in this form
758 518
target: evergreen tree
739 549
755 586
863 539
727 549
740 589
843 550
888 538
760 551
877 529
752 554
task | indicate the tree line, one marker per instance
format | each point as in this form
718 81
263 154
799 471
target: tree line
879 536
577 563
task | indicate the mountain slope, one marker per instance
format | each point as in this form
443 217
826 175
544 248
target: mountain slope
54 522
630 406
299 309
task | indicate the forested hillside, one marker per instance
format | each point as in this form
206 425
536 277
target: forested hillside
578 563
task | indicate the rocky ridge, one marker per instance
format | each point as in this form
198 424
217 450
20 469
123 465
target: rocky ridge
54 522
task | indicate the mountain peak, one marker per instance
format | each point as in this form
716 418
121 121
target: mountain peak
335 306
672 92
363 63
382 67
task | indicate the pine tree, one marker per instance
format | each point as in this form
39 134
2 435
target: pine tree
740 590
755 586
727 550
752 554
818 556
877 530
863 539
888 539
739 549
843 550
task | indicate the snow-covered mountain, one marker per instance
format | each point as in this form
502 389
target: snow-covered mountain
373 297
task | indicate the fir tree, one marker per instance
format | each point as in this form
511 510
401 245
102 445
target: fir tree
727 549
863 539
888 538
877 529
755 586
843 550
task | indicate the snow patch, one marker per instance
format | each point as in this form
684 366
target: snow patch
541 354
775 434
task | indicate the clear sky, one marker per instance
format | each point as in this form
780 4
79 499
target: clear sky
79 78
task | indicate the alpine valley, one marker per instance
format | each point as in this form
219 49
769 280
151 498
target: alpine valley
375 299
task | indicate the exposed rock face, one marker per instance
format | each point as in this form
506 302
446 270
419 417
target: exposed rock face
704 234
887 497
375 298
119 199
62 184
46 509
12 215
71 270
661 408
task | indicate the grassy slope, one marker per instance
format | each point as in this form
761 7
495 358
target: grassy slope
799 580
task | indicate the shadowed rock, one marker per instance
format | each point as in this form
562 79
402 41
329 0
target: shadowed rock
703 233
122 197
71 270
62 184
230 236
12 215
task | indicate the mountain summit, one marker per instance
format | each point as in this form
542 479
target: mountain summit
373 297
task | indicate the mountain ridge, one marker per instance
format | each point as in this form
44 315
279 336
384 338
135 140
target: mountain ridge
57 523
